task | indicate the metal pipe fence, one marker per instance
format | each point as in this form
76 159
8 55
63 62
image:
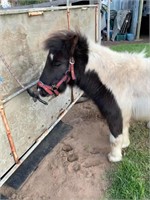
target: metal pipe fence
7 4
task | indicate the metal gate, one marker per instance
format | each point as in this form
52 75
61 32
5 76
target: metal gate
24 123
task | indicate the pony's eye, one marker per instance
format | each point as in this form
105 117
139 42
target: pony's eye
57 64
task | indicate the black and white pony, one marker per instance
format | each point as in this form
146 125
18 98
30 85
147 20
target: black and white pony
118 83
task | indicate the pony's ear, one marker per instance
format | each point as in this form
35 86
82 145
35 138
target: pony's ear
73 44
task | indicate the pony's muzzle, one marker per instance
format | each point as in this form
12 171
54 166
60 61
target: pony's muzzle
42 92
35 94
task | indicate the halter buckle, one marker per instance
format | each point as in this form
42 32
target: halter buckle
54 87
71 61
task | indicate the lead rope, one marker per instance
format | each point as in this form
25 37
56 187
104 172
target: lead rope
9 69
32 94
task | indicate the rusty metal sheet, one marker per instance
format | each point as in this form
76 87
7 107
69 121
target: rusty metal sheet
27 121
21 42
84 20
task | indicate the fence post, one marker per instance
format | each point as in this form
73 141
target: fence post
139 20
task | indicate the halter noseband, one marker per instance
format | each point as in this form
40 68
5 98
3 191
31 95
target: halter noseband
70 74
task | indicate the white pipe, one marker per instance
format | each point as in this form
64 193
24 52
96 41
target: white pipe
108 21
99 22
19 92
67 2
139 20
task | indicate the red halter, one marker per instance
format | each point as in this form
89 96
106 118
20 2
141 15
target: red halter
66 78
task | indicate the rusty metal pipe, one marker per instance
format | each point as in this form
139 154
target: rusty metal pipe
9 69
19 92
68 18
9 136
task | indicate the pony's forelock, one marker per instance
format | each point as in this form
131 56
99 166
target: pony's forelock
60 36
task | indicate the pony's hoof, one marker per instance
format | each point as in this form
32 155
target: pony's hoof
113 158
148 125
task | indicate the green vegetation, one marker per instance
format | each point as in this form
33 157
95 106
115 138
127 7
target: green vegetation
28 2
130 178
133 48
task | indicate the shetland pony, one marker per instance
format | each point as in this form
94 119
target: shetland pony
118 83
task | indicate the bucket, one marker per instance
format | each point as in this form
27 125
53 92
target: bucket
130 36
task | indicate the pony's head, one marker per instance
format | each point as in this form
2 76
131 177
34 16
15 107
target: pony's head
59 66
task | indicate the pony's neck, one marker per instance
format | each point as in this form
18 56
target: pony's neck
92 65
87 77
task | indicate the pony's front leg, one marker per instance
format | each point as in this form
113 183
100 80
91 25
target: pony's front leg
115 124
119 142
115 154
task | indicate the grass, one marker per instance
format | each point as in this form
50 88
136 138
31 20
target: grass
130 178
133 48
28 2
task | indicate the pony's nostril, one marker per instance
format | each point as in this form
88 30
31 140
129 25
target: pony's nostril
42 92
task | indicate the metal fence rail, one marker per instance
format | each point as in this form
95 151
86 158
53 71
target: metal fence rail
24 123
11 4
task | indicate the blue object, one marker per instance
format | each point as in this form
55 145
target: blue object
130 36
110 33
120 37
1 80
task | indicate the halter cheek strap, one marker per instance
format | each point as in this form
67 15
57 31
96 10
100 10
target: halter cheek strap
71 68
66 78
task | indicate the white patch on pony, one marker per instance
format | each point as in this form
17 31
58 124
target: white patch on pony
125 132
141 108
112 138
127 76
116 146
51 56
126 141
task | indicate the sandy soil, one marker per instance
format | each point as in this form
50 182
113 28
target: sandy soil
75 169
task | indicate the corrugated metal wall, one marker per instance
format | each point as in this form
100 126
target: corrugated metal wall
122 4
132 5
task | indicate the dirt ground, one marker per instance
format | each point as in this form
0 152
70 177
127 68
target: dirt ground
75 169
